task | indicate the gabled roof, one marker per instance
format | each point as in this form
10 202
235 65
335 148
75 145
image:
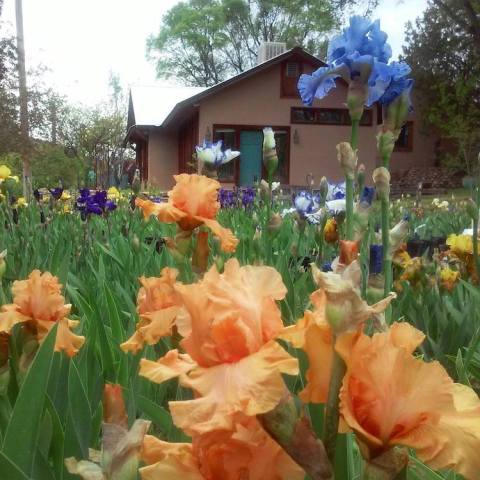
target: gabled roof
158 105
152 104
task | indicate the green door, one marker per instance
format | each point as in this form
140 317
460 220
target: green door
251 157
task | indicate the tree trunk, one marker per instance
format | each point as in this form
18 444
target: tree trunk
22 77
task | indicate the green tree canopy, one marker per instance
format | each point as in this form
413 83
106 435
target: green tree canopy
202 42
446 68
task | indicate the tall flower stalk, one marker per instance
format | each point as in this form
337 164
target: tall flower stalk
396 107
359 56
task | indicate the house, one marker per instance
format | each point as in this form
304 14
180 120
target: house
165 124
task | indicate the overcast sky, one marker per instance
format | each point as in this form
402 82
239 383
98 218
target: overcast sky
82 41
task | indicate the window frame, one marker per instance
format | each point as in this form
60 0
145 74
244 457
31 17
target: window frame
409 147
345 118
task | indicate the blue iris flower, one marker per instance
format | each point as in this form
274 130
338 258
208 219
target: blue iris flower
399 84
304 203
361 36
327 267
376 258
336 191
367 196
357 55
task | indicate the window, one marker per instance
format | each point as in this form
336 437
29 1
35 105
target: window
404 142
292 69
290 73
226 173
327 116
231 136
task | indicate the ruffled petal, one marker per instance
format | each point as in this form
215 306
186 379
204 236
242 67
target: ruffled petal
148 207
453 443
136 342
171 365
170 469
319 348
251 386
196 195
10 316
389 397
228 240
66 340
154 450
159 324
318 84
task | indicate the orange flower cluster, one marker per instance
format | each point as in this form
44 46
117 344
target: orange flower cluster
389 397
229 322
39 305
244 452
192 202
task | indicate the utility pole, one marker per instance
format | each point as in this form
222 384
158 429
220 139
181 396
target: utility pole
22 81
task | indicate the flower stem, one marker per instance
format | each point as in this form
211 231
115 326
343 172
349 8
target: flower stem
349 185
476 260
387 254
332 414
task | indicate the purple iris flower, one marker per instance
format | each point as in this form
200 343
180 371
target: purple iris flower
56 192
376 258
227 198
84 194
37 194
248 197
94 203
367 195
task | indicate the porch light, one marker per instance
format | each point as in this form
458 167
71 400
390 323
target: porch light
296 137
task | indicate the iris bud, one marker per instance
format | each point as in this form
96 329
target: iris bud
270 158
323 191
381 178
347 158
386 143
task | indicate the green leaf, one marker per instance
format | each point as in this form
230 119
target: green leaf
79 409
23 429
58 439
9 470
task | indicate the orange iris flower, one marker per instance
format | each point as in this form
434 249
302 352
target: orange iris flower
158 306
232 362
391 398
39 304
244 452
316 336
192 202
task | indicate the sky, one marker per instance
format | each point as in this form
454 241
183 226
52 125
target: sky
83 41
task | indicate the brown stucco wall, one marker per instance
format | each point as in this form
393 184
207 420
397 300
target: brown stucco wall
162 158
256 101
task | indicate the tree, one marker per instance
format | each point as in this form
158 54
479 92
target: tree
466 16
202 42
446 68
